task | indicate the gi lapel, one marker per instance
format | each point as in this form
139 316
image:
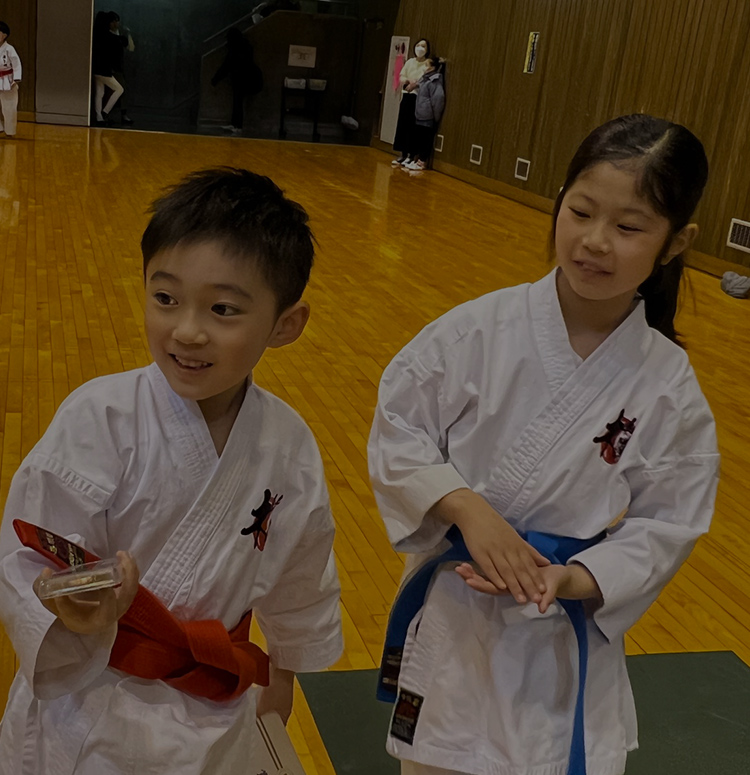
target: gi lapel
574 385
185 546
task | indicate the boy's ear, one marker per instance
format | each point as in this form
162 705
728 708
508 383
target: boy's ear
681 242
290 325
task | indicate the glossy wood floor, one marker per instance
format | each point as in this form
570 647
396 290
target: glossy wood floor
395 251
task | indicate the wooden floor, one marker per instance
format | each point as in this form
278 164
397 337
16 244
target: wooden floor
395 251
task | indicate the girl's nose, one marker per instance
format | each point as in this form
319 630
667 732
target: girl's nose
596 238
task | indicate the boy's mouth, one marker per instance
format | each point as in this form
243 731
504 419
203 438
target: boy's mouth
187 363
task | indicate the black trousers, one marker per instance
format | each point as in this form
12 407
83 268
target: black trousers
404 138
238 106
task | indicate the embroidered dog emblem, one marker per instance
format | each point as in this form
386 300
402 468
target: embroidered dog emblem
259 528
616 438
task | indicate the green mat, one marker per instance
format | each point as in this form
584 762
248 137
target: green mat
693 714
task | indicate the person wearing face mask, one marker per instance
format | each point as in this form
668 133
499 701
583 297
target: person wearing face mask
411 72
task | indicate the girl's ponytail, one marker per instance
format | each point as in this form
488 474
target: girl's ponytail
661 293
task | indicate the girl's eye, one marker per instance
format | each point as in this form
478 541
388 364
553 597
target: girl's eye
628 228
164 298
579 213
224 310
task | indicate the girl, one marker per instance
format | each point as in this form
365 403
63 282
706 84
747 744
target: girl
10 78
565 408
427 114
411 72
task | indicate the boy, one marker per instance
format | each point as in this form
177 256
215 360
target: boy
214 486
10 77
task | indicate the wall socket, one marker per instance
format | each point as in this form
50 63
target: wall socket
475 157
522 168
439 143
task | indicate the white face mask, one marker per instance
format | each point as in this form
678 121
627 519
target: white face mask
420 51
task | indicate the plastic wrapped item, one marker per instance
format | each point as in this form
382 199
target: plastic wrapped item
316 84
295 83
274 753
83 578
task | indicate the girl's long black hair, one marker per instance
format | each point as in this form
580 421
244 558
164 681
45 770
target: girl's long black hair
672 171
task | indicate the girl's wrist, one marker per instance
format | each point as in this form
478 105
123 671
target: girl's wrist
579 584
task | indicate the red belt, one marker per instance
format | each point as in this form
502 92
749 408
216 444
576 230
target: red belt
3 73
200 658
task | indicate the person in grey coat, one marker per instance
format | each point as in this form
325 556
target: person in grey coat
427 113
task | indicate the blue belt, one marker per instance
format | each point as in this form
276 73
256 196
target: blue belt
558 550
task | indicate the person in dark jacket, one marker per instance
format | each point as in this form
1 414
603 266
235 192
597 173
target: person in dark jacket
244 75
428 111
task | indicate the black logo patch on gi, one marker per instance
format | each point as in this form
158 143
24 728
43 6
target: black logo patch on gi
616 438
405 716
259 529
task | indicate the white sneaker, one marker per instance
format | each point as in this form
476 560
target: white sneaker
398 162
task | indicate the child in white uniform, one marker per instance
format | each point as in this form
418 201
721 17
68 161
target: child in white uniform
547 457
10 78
214 487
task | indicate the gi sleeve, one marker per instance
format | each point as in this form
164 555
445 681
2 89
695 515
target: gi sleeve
407 449
300 616
16 63
673 489
54 660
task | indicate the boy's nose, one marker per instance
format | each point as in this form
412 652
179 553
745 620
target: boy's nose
189 331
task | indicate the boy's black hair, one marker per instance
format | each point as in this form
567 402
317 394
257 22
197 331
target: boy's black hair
247 214
5 28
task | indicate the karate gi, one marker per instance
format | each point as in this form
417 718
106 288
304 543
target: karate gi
492 397
10 72
128 464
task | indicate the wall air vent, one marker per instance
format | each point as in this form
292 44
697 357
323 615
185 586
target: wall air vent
739 235
522 168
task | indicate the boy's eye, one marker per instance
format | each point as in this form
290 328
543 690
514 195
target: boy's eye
224 310
164 298
578 213
628 228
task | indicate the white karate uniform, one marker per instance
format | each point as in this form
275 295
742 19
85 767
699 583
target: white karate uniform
492 397
127 464
9 60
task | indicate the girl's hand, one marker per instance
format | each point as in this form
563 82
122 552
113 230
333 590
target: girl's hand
570 582
477 581
506 560
278 696
91 612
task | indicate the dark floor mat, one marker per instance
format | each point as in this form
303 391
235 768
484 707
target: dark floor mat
693 713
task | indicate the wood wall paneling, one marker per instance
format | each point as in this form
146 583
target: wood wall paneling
686 60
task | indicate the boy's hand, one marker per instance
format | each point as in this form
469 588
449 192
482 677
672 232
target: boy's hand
278 696
506 560
90 612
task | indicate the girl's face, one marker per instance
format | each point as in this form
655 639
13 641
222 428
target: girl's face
420 49
608 238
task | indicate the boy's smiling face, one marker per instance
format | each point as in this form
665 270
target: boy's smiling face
209 318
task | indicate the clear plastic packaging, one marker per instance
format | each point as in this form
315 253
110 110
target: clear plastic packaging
83 578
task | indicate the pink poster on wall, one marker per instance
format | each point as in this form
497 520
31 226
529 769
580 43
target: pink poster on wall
392 92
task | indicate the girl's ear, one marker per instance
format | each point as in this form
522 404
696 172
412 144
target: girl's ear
290 325
681 242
